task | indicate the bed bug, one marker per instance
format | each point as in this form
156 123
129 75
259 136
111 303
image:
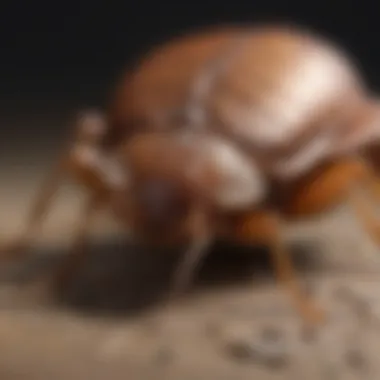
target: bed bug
223 133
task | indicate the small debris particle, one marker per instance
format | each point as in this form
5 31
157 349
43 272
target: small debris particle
273 350
164 356
269 349
355 359
241 350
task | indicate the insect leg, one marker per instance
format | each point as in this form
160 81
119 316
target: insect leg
201 238
364 210
286 274
39 209
266 227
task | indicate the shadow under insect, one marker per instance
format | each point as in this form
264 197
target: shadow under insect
123 279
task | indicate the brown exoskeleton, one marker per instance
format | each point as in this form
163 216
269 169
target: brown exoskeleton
226 133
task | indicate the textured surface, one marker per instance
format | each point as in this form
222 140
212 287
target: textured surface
236 324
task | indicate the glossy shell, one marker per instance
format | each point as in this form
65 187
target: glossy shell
209 166
283 94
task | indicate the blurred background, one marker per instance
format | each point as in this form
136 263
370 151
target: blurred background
60 57
57 58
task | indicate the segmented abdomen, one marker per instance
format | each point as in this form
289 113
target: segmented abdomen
275 90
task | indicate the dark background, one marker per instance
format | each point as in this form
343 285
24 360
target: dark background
58 57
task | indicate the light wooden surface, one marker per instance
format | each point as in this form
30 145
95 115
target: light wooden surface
40 340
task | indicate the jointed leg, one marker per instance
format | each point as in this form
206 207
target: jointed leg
38 211
286 273
201 238
89 132
360 201
266 228
353 180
